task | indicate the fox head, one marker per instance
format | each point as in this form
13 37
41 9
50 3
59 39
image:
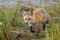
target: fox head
27 16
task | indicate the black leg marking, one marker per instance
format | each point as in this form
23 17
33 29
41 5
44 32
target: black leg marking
31 29
47 22
44 26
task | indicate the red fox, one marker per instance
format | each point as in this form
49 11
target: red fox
35 18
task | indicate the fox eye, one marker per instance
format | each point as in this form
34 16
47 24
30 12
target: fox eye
29 19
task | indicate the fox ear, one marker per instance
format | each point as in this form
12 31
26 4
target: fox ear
31 13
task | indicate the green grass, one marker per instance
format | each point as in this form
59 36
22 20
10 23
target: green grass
12 18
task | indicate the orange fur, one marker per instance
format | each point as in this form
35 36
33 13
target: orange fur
38 17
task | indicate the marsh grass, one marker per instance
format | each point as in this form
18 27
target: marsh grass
12 18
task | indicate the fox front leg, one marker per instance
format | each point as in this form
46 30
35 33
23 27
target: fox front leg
31 29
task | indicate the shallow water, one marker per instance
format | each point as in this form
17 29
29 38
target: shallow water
13 3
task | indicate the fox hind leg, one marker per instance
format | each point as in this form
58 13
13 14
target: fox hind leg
44 25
